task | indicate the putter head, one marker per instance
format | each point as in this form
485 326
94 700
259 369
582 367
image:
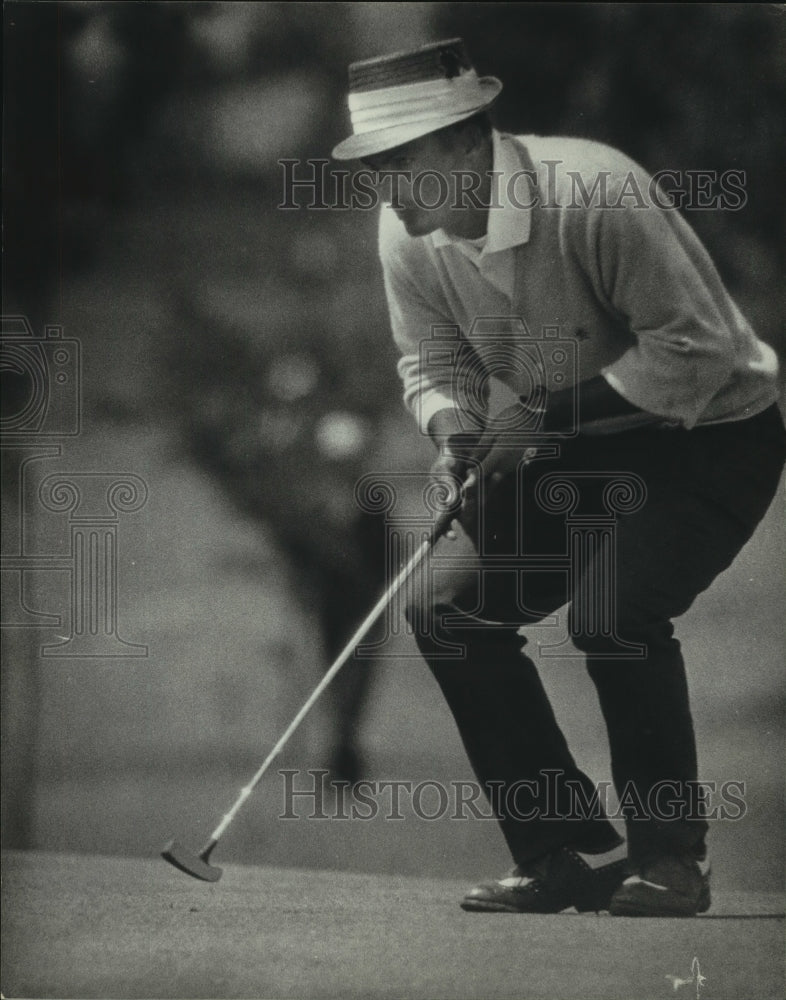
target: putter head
196 865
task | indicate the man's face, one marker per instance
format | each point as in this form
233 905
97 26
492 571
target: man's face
423 192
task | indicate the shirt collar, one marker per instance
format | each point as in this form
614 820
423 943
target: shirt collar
510 215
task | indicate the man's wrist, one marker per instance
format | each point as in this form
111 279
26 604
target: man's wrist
538 416
453 432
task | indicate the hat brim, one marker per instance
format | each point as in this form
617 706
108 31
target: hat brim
356 147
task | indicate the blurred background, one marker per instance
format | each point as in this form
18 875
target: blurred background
236 358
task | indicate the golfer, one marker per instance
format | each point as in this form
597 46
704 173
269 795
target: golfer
639 394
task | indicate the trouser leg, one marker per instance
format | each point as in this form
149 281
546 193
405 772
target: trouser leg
506 722
706 492
514 744
653 751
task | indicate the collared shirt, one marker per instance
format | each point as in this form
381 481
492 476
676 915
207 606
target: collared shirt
586 270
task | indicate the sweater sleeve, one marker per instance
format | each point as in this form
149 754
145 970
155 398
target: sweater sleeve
657 276
433 362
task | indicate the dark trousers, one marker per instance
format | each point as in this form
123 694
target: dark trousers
704 492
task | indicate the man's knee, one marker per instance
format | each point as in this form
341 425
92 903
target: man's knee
433 619
624 626
452 632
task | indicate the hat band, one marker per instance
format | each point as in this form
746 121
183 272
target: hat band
359 100
394 121
413 103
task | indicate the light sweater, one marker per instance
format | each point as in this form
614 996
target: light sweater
572 282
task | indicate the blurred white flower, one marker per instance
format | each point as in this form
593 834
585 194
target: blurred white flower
340 435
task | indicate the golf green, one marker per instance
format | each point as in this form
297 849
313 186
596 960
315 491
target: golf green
93 926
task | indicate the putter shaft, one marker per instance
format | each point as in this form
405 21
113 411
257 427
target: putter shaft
199 865
372 616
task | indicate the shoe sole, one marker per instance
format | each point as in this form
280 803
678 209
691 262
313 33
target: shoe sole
649 907
502 908
472 906
490 906
480 907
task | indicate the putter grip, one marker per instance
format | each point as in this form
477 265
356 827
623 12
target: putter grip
445 519
442 524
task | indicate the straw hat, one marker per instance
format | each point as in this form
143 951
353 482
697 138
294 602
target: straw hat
396 98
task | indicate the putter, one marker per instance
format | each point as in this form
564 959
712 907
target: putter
198 865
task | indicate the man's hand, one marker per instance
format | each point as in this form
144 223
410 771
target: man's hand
454 469
467 458
464 449
498 458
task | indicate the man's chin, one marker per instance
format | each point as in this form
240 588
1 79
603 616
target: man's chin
417 223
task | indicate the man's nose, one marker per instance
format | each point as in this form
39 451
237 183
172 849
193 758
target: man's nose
394 186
